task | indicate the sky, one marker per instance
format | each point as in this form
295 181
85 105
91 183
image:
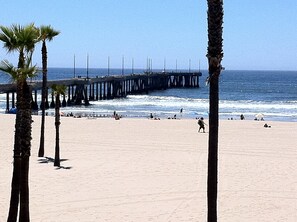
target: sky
258 34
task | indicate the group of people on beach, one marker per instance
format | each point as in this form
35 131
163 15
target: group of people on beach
200 122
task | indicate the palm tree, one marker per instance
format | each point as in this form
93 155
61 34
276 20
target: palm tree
214 55
47 33
57 91
23 40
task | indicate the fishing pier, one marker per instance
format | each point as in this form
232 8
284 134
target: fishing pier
82 90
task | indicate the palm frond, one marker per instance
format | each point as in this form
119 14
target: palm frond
18 73
27 36
48 33
8 68
28 72
19 37
59 89
23 39
8 37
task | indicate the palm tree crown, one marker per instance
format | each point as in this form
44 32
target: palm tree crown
21 39
59 89
48 33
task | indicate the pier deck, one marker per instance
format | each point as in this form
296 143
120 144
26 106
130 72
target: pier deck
82 90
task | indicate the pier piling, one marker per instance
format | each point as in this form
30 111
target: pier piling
83 90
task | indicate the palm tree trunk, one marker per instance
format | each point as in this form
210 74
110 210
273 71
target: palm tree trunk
214 55
15 184
41 145
26 152
15 190
57 124
43 98
24 191
212 180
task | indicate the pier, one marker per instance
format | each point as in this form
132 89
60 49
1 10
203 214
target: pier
82 90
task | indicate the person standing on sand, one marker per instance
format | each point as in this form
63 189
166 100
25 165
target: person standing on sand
201 124
151 116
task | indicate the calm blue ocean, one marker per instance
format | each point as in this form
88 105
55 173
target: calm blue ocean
273 93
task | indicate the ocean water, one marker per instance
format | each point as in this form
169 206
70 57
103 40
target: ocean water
272 93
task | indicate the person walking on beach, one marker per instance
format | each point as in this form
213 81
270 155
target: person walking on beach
201 124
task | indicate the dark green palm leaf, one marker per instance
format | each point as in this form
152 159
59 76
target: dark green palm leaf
59 89
8 37
48 33
9 69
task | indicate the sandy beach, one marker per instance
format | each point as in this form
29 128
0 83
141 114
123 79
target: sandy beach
155 170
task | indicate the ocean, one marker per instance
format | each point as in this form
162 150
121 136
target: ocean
272 93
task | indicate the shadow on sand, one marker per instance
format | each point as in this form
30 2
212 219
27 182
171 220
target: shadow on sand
52 160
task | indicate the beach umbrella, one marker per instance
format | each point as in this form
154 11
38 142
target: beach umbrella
259 116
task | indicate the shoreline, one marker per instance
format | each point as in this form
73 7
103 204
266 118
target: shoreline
99 115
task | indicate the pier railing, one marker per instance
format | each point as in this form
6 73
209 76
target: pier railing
81 90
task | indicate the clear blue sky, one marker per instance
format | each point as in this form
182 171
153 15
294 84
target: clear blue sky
258 34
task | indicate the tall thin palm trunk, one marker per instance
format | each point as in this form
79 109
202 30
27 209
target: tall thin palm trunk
43 98
26 152
212 182
16 176
57 125
214 55
47 34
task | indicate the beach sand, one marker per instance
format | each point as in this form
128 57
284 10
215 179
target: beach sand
155 170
